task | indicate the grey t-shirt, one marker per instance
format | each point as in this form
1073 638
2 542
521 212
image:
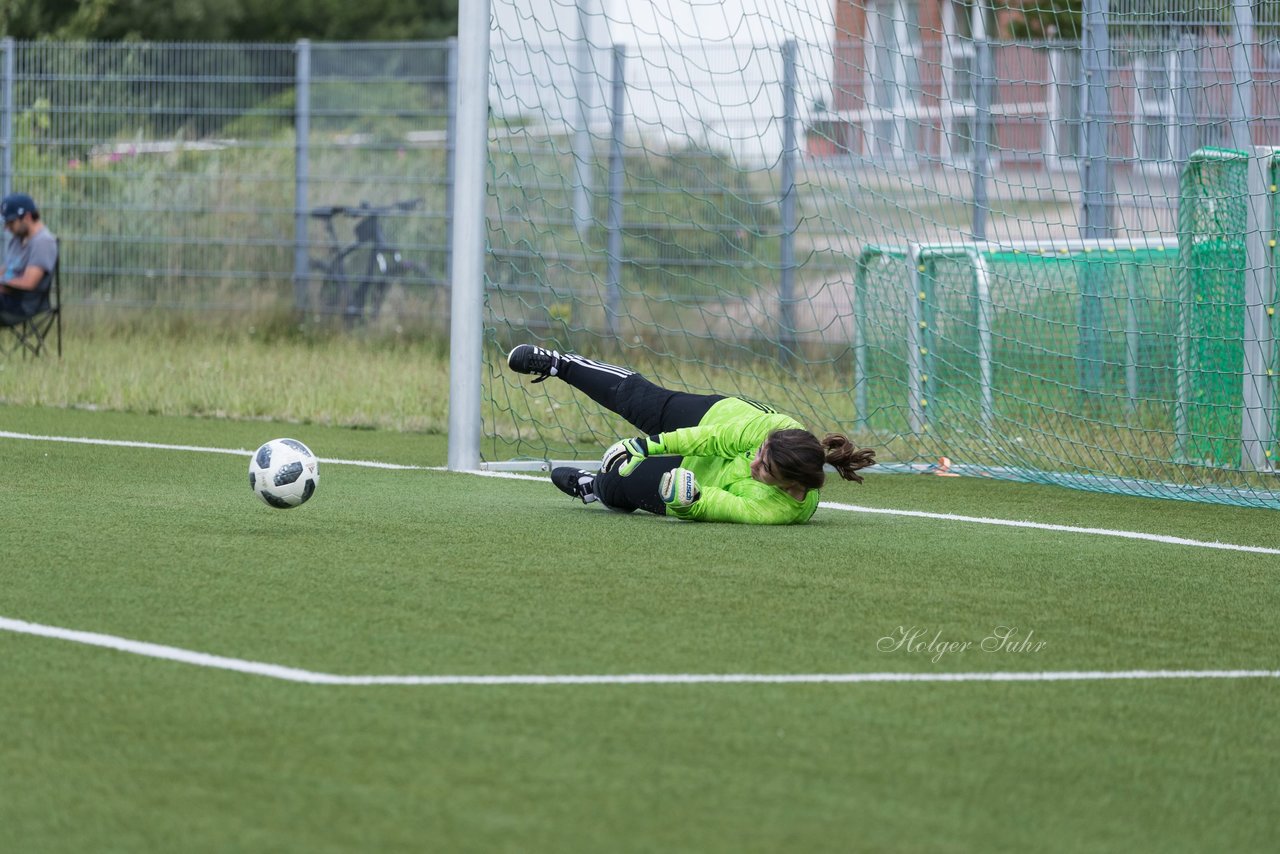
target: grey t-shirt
42 251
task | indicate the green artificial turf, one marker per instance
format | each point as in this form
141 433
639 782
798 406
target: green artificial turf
418 572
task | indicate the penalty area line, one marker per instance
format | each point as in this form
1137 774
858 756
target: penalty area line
311 677
828 505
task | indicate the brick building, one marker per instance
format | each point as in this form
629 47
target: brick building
904 88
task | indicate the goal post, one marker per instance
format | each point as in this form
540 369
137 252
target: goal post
785 210
467 237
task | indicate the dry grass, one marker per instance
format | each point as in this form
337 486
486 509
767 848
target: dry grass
180 366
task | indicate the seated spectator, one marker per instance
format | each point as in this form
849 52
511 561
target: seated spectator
30 255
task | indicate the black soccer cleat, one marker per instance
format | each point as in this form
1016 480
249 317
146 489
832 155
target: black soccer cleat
575 482
530 359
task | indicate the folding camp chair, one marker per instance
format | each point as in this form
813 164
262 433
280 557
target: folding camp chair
28 335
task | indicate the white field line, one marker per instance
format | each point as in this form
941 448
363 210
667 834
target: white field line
985 520
1070 529
310 677
847 508
240 452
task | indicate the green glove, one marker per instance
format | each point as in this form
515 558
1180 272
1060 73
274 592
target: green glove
679 488
629 453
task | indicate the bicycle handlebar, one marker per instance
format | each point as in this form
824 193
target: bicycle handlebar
365 209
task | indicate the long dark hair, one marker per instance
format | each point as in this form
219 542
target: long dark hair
798 455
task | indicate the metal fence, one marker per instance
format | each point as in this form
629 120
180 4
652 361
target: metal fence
187 175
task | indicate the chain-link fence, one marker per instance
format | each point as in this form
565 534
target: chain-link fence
236 177
190 175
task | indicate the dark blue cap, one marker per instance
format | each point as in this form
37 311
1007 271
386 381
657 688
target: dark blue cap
16 205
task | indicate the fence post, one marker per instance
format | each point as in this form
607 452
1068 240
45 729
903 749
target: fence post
1188 183
859 343
1241 74
1054 148
583 146
787 251
1259 293
301 175
1187 81
450 154
982 129
1098 190
986 374
1259 284
916 349
1132 333
617 169
6 121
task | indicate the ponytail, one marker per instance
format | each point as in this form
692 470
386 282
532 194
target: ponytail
845 457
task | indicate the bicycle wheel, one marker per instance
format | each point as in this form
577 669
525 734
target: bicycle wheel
365 283
325 296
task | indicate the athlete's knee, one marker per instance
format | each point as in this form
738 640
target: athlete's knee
610 489
627 494
642 402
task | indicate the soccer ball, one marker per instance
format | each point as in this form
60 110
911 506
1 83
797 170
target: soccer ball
284 473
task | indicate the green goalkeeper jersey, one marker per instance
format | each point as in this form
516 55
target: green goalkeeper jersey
719 452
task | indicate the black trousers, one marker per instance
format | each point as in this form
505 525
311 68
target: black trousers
651 409
15 308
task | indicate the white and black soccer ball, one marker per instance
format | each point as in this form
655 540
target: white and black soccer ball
284 473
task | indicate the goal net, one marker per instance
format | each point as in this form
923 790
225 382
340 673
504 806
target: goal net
901 220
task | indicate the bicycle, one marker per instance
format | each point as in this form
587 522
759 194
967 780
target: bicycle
355 277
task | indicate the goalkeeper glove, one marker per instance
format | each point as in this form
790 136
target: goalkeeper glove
629 453
678 488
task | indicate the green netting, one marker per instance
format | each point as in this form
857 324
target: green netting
689 238
1054 363
1213 221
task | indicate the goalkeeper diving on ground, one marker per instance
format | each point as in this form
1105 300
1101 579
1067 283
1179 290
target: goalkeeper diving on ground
705 457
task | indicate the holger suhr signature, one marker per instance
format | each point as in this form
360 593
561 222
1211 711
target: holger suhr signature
921 641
